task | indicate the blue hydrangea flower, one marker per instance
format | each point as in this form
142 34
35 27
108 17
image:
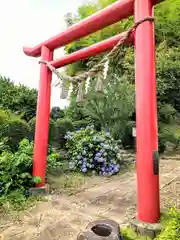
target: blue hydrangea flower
84 159
116 169
112 171
84 164
105 154
100 160
108 134
71 165
103 169
102 151
84 153
84 170
106 146
98 154
78 157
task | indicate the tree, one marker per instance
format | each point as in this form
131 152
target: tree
112 111
18 98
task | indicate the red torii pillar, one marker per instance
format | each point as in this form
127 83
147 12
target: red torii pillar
146 121
146 116
42 118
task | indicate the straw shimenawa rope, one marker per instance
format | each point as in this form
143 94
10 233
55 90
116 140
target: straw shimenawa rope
100 66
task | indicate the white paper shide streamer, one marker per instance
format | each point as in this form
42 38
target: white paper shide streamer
63 90
106 67
70 91
87 85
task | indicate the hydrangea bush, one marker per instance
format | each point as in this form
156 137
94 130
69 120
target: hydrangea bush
89 150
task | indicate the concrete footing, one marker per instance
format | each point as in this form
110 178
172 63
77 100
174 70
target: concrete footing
39 191
146 229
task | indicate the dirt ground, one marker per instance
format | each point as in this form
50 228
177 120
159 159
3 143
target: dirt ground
63 215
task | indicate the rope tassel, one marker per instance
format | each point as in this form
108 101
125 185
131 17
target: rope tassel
99 84
80 95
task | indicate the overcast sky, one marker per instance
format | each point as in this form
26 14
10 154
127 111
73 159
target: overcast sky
27 23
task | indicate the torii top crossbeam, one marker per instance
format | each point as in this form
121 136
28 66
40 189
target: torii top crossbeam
119 10
146 103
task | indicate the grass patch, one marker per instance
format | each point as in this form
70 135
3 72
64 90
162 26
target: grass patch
68 183
13 204
129 234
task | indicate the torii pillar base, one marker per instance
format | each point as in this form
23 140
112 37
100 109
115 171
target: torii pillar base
146 229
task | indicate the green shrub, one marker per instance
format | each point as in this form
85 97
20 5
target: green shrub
57 131
80 123
168 133
3 116
166 113
52 129
13 128
32 124
93 151
128 140
16 130
56 113
16 168
62 126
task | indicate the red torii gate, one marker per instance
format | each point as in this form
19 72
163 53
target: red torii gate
146 103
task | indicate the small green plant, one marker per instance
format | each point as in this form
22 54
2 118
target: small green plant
94 151
171 229
37 180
